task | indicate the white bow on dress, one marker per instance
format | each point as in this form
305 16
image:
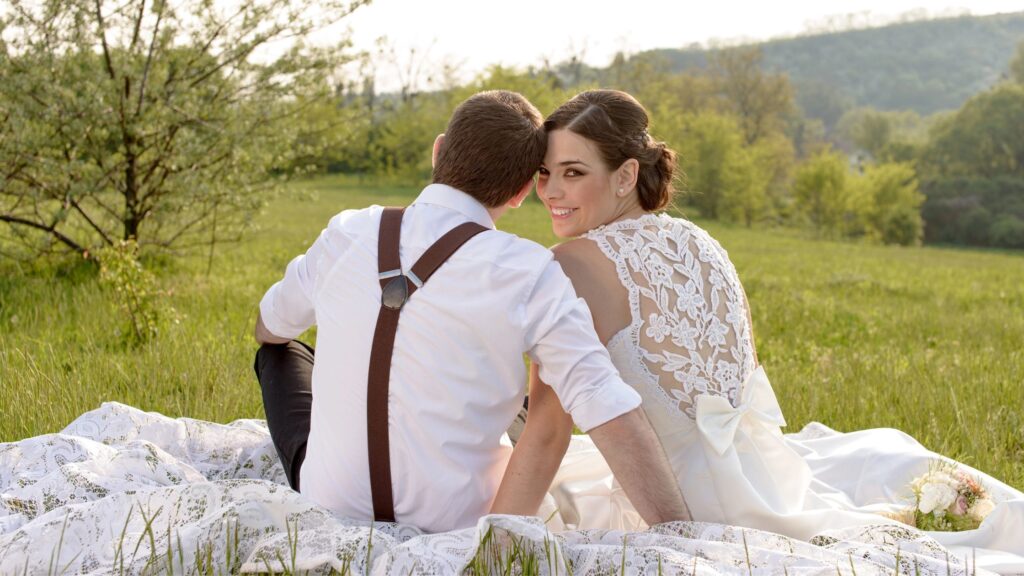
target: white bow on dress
754 464
718 420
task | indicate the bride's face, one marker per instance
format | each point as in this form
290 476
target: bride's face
575 185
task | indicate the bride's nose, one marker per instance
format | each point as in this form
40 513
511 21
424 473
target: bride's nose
548 190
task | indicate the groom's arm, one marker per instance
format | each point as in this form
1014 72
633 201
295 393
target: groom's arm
286 309
265 336
635 456
537 454
627 442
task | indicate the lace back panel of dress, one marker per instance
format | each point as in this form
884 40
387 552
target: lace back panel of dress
689 324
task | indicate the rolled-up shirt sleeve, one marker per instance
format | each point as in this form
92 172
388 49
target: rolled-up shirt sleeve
288 308
560 337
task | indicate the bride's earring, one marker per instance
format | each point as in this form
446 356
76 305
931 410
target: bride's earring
621 192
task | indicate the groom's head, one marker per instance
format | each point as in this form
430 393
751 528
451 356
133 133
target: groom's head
494 144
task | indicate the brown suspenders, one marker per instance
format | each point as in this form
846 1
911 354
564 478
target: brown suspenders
396 288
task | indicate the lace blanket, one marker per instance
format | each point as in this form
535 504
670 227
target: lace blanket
125 491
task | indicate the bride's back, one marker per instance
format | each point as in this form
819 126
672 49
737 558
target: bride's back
669 305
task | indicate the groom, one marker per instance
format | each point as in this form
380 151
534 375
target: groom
401 412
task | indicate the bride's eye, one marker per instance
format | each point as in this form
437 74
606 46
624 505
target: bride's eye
542 173
573 172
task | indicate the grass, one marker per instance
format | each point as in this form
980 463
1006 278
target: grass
927 340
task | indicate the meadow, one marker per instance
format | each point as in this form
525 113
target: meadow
927 340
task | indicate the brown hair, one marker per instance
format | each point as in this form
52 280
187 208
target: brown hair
493 146
617 124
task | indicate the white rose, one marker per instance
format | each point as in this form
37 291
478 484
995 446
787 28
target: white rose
946 478
935 496
981 509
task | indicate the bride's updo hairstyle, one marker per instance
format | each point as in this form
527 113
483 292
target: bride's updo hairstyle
617 124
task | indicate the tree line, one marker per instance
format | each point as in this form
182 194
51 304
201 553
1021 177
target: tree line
169 126
750 154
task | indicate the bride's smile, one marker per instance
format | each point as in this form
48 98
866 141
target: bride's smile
579 190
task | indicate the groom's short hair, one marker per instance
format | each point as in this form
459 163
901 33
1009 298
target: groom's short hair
494 144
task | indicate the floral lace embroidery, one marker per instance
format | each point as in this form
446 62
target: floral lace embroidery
689 322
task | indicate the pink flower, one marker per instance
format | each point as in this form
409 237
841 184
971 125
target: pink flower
973 485
959 507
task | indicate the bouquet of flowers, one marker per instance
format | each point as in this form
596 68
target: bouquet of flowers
949 500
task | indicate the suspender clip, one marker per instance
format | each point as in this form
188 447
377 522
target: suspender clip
396 293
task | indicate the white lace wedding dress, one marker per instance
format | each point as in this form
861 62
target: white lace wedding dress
688 351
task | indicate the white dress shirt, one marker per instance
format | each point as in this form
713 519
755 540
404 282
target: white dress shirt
457 377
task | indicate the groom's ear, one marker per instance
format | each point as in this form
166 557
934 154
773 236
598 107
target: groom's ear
437 149
520 196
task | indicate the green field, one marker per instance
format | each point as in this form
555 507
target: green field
930 341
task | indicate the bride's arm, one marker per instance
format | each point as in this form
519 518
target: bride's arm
537 454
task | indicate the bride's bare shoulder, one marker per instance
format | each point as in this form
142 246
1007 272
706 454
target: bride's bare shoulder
595 280
579 256
577 247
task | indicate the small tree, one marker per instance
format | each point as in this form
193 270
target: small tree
823 193
773 158
984 138
873 134
713 160
756 173
152 121
1017 65
893 214
882 133
761 101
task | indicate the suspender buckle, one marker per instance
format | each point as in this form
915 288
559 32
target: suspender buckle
396 293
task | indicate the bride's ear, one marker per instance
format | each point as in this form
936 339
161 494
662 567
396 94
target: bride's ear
627 177
520 196
437 149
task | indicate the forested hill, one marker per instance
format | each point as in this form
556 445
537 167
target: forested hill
926 66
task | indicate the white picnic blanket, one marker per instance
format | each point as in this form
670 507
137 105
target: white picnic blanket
125 491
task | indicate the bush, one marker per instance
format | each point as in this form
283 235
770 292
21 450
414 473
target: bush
966 210
893 214
902 228
1007 231
135 290
822 192
973 226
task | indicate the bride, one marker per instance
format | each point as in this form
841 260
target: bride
668 304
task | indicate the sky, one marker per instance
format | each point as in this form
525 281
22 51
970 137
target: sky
470 35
